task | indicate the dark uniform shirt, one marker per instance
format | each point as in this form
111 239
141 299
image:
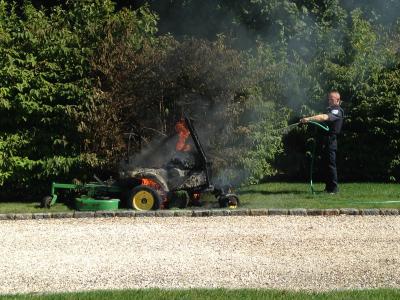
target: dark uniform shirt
335 122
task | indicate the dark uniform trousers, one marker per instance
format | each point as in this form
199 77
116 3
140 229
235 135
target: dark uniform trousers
331 178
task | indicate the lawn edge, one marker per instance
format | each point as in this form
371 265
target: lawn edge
203 213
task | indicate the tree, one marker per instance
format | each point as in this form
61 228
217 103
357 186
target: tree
46 83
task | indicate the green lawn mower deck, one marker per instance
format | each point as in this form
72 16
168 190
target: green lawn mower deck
91 196
85 203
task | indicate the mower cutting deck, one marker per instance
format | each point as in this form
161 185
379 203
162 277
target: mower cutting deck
91 196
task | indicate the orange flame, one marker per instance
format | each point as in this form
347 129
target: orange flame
156 186
151 183
183 134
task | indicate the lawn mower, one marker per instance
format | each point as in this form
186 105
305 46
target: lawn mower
176 178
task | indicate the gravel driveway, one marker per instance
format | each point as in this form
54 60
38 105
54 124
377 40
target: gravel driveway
280 252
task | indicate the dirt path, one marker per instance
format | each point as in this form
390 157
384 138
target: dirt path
282 252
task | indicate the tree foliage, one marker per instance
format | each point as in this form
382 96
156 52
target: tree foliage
46 83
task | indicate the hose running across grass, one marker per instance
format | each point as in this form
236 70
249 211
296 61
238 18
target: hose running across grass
318 125
323 127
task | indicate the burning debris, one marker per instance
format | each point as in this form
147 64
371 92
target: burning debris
184 171
183 133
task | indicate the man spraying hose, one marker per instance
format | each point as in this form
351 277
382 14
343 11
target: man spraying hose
334 119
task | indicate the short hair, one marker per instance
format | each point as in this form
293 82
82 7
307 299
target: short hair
334 92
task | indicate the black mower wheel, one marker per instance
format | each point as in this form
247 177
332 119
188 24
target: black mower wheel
46 201
228 201
144 197
178 199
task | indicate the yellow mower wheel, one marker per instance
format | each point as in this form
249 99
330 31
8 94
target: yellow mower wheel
144 198
229 201
232 206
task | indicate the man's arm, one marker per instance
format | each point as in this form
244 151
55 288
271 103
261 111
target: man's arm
316 118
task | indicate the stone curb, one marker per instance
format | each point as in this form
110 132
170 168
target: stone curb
83 214
278 212
298 212
240 212
23 216
349 211
259 212
183 213
7 216
104 214
331 212
315 212
205 213
141 214
164 213
220 212
389 211
125 213
41 216
201 213
369 212
62 215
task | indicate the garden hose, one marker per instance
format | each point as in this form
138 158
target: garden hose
318 125
323 127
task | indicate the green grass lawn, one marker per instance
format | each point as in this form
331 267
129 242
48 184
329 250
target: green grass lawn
298 195
277 195
216 294
30 207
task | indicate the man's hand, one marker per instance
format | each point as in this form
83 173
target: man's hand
316 118
304 120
